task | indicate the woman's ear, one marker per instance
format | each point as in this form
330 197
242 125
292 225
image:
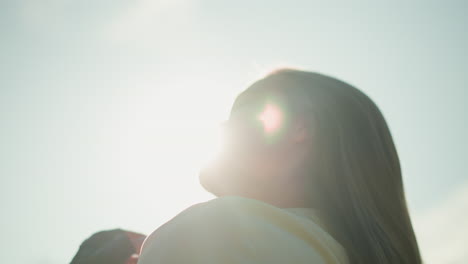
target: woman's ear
300 133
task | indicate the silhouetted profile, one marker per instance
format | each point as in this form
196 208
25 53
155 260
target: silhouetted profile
110 247
309 174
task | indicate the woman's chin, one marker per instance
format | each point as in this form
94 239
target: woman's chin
208 181
217 181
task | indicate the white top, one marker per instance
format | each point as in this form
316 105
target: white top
236 230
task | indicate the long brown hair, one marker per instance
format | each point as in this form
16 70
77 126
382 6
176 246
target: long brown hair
355 175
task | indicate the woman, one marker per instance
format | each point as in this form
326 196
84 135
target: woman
310 175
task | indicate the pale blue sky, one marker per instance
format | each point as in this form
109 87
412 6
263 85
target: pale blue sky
107 107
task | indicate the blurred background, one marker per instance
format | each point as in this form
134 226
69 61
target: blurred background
108 108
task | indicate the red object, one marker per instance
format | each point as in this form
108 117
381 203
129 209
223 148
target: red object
137 241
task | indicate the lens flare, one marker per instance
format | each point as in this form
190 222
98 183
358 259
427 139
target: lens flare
271 118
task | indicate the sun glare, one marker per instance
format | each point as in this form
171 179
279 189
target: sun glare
271 117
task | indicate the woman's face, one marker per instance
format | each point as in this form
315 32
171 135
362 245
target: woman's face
254 152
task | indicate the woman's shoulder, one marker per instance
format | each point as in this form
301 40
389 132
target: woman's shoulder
241 217
202 233
226 212
230 227
222 213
